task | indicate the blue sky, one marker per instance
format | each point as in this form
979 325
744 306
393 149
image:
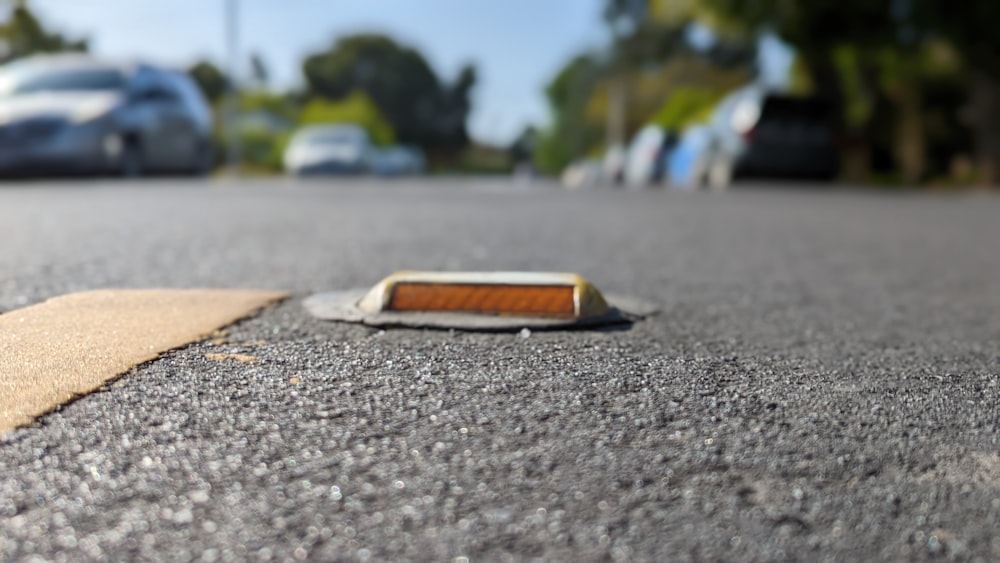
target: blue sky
517 45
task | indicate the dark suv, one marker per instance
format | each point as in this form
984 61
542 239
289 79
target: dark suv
757 133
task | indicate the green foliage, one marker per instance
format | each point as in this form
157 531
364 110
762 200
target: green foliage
356 108
857 105
570 135
687 106
552 153
876 59
801 83
420 108
651 62
830 37
971 26
650 89
210 80
279 105
23 35
573 86
263 149
649 32
810 25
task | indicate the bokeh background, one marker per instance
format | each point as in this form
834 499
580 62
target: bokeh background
549 85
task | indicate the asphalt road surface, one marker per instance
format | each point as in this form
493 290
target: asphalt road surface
822 383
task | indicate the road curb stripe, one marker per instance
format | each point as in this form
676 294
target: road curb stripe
68 346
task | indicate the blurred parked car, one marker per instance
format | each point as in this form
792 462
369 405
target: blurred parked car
398 160
645 161
687 164
73 113
329 149
757 133
614 164
582 174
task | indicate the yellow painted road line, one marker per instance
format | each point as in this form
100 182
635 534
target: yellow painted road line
69 346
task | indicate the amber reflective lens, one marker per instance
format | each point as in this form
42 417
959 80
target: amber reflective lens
540 300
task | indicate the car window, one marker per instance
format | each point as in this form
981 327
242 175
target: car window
33 81
333 136
190 96
147 80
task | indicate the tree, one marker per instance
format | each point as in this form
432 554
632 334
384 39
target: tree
283 106
816 28
357 108
212 82
971 28
651 88
861 54
23 35
456 106
637 39
570 135
620 91
687 106
523 147
420 107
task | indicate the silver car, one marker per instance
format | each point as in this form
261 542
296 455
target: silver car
73 113
647 155
398 160
341 148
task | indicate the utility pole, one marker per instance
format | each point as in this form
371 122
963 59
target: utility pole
231 113
617 109
632 14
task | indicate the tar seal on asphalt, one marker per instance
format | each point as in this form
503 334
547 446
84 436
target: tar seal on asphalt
480 301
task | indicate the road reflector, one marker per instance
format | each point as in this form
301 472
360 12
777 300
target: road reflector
490 301
508 294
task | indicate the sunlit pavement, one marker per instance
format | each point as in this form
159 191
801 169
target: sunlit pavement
822 381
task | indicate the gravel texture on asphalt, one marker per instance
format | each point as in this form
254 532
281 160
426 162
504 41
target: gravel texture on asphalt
822 383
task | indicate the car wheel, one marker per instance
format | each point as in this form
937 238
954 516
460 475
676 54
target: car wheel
130 163
698 175
204 161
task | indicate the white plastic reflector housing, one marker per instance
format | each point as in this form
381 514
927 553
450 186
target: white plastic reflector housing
514 294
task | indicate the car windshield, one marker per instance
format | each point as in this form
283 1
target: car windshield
332 137
76 80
